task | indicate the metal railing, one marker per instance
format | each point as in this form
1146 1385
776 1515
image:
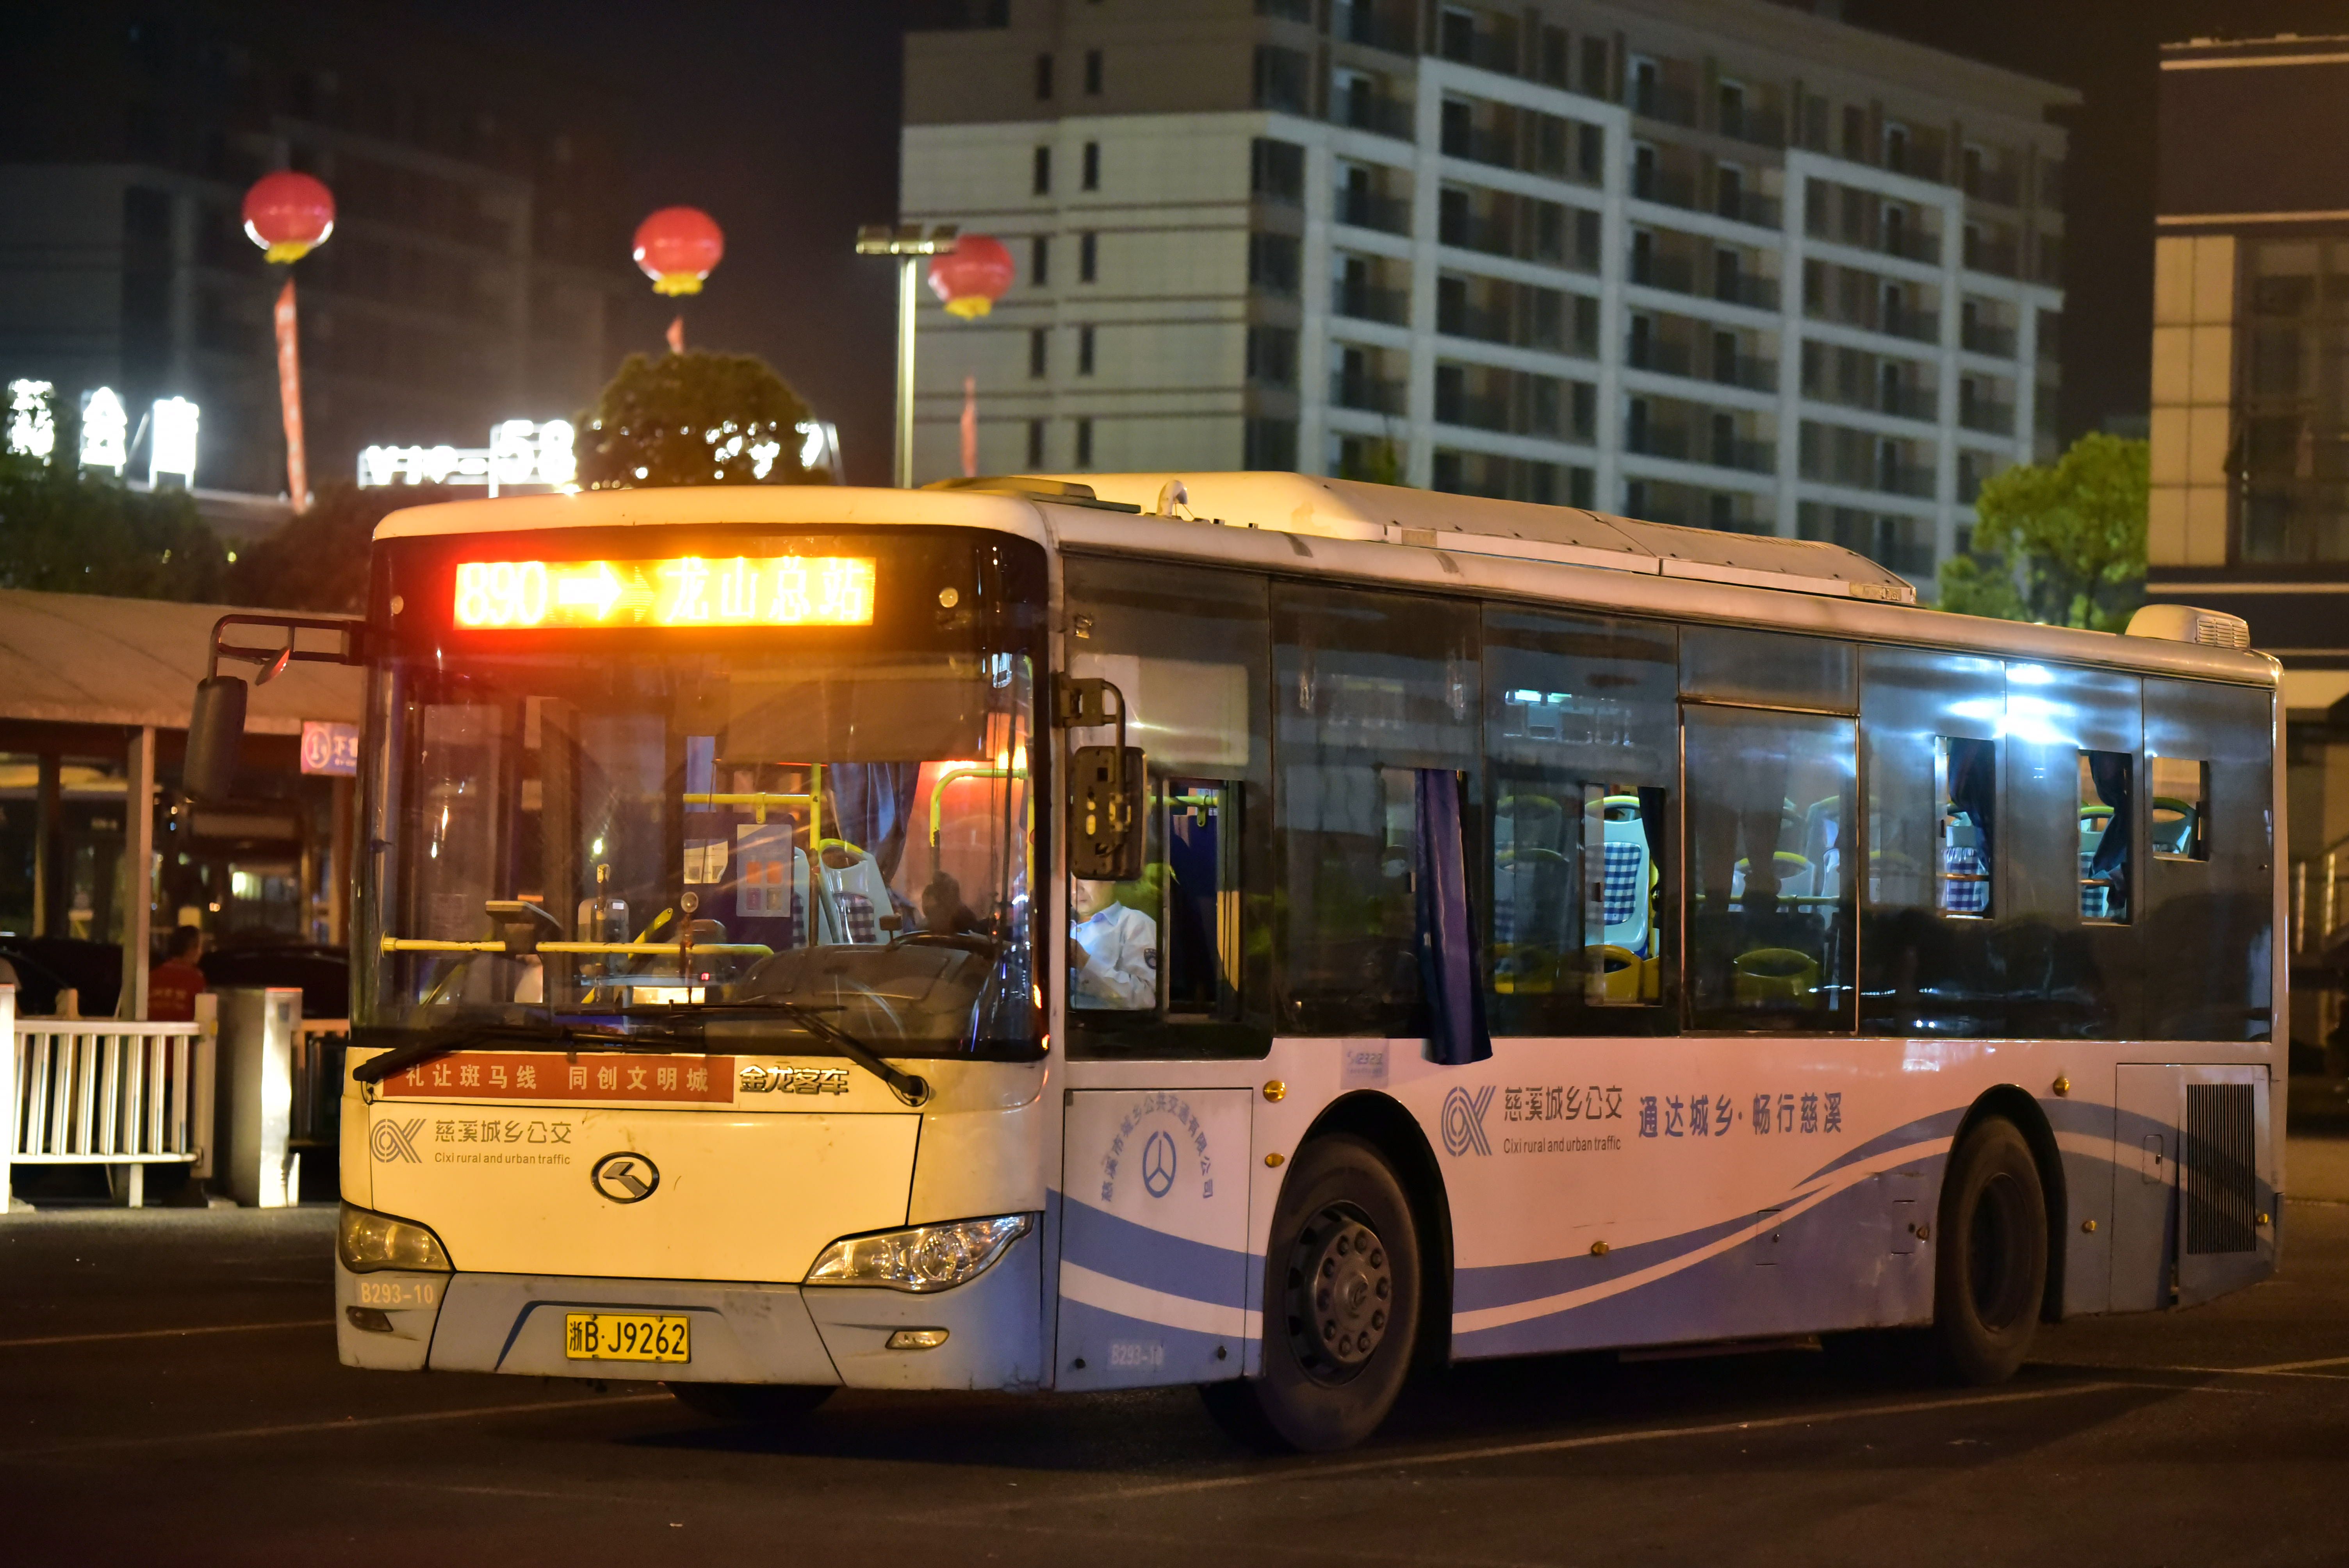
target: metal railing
105 1091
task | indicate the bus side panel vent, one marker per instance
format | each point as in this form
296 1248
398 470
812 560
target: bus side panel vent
2221 1168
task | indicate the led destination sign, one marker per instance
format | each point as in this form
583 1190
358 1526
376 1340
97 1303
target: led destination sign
688 590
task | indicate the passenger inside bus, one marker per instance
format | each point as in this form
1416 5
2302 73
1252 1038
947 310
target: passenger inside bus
1113 950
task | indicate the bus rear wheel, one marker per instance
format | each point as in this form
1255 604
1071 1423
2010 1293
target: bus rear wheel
750 1404
1342 1306
1990 1271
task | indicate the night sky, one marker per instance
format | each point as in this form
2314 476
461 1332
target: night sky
780 118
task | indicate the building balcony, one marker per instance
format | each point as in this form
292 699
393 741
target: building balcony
1748 206
2000 258
1369 393
1990 419
1977 337
1479 144
1654 100
1375 112
1368 209
1364 303
2002 186
1455 319
1657 354
1678 275
1763 128
1745 370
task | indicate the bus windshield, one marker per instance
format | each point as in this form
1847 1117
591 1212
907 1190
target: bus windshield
625 830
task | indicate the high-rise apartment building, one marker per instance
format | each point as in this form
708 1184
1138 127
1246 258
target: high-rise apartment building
478 259
2249 427
1725 263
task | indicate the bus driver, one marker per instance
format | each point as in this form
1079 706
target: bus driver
1113 950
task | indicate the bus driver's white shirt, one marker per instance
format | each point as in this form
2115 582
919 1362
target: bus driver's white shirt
1121 967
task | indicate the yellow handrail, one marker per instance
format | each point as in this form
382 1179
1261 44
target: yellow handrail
427 944
956 776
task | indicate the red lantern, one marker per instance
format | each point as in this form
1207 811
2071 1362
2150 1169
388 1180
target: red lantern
288 214
677 247
972 276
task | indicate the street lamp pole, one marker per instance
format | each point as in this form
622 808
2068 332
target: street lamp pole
910 244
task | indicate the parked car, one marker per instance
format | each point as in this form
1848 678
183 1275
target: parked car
324 974
48 964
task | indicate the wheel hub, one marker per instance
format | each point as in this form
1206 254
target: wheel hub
1344 1293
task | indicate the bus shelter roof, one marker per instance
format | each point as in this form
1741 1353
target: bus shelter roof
82 658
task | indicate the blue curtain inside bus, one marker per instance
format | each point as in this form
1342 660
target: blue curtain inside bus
2109 772
873 802
1456 1031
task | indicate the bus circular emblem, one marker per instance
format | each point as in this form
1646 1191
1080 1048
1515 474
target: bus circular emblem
1158 1164
625 1178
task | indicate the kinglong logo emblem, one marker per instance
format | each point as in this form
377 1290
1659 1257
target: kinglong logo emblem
1464 1122
625 1178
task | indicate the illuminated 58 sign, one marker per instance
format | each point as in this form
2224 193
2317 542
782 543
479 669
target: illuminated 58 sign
685 591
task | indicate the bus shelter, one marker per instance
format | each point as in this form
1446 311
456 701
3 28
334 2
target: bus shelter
101 852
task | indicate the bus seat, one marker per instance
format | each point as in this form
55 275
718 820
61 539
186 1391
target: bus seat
1626 878
2173 825
1823 846
1794 872
1777 977
1621 972
859 894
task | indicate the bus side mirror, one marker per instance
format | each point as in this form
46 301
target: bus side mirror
1106 820
215 739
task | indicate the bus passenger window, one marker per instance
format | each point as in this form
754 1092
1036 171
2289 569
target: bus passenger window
1620 835
1113 948
1770 885
2177 815
1965 784
1202 927
2104 836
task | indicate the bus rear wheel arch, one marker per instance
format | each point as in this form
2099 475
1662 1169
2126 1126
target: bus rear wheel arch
1344 1295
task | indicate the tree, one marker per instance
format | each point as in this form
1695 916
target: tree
695 420
67 530
318 560
2073 533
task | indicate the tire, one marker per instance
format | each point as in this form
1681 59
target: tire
1342 1306
1989 1276
750 1404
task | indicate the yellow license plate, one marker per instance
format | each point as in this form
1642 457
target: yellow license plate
626 1336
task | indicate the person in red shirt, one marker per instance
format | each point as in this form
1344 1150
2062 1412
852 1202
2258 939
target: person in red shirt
173 987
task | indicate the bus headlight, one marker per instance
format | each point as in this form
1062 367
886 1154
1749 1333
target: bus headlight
366 1242
922 1258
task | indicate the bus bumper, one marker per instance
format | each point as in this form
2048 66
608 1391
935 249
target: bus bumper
742 1333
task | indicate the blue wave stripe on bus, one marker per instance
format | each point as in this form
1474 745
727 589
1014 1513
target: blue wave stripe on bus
1833 1275
1101 1241
1942 1125
1505 1285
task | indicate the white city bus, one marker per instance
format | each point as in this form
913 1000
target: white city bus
1270 933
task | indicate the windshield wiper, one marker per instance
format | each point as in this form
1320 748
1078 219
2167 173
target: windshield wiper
422 1047
910 1087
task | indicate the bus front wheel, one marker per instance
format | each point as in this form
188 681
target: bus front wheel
1341 1304
1990 1271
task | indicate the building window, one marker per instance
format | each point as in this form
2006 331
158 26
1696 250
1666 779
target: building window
1277 171
1043 77
1039 260
1280 79
1035 443
1269 444
1041 183
1092 180
1272 357
1084 443
1040 350
1084 351
1093 73
1088 256
1594 67
1855 133
1896 149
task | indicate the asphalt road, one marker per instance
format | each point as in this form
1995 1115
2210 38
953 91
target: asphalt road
169 1393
